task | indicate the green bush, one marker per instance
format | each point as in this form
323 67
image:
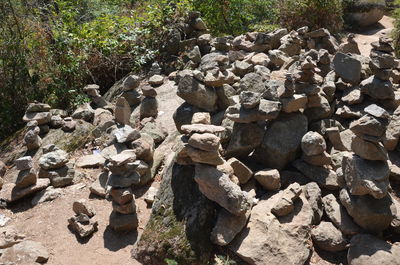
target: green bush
50 49
312 13
238 16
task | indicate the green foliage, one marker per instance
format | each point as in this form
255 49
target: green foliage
50 49
312 13
238 16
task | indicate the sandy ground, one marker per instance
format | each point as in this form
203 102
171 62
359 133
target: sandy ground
366 36
47 223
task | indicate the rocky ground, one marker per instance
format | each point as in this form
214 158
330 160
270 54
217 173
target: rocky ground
190 199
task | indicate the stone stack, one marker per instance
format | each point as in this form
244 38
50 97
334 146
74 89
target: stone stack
32 140
27 174
351 46
124 175
149 105
40 113
92 91
82 223
130 88
215 177
54 166
379 86
122 113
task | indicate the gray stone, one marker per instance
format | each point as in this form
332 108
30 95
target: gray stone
156 80
245 137
131 83
84 112
347 67
26 178
48 194
82 225
241 171
270 240
9 236
204 157
339 216
98 187
122 111
312 192
269 179
202 128
24 163
148 107
328 237
392 134
91 161
118 181
59 177
123 222
249 99
285 204
82 207
368 249
26 252
313 143
366 177
217 187
126 134
54 159
227 227
197 94
282 140
206 141
371 214
377 89
324 176
38 107
41 117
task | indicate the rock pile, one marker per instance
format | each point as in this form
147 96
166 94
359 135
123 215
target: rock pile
124 174
92 91
27 174
32 139
271 121
149 105
39 119
82 223
54 165
130 87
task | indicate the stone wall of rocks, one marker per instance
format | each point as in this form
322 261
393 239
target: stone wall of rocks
295 138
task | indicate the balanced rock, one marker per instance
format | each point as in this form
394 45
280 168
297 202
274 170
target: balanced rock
217 186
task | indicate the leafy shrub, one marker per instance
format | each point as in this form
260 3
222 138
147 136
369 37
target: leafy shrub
312 13
50 49
237 16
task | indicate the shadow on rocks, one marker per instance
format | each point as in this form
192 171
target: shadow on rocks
115 241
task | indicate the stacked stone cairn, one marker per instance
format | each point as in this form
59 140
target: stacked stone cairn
82 222
54 165
149 105
32 140
92 91
272 121
38 118
123 176
130 90
27 175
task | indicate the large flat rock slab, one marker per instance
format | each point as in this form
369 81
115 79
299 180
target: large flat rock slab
11 193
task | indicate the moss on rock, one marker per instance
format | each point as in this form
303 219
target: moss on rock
181 222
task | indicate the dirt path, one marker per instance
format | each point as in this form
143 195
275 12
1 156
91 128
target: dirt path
47 223
366 36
